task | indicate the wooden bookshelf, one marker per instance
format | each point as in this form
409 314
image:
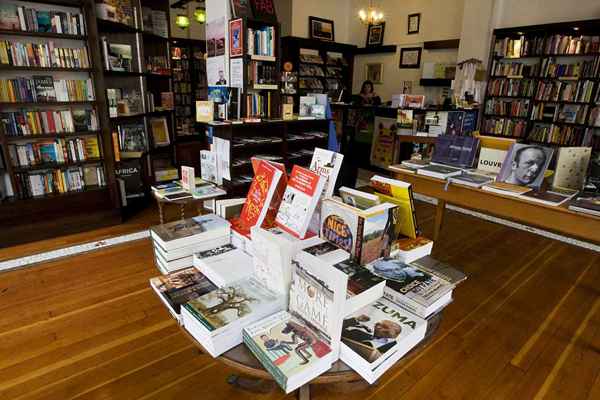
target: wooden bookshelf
55 214
536 46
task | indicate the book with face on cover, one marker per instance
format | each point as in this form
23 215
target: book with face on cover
525 165
177 288
303 192
298 345
378 335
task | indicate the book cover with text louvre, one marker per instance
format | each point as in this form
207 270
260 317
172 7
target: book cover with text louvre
299 345
263 197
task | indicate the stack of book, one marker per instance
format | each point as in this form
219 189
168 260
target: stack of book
176 242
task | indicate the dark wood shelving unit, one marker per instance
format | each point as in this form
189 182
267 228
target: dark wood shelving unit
435 82
387 49
574 132
57 214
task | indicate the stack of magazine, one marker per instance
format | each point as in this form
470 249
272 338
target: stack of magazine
360 288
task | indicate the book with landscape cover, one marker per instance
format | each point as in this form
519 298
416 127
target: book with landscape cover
119 57
181 233
216 319
317 295
132 140
365 237
9 18
299 201
412 288
378 335
44 88
177 288
399 193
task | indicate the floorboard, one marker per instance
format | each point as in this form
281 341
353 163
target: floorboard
525 324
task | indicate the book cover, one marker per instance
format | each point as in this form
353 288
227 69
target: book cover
440 269
264 10
490 160
470 179
377 330
360 279
405 118
44 88
236 38
189 227
327 252
586 204
398 193
132 140
269 220
241 8
506 188
439 171
327 164
549 198
525 165
188 178
306 103
177 288
456 151
219 308
358 199
205 111
383 147
454 125
129 171
299 201
9 18
571 167
160 131
208 166
119 57
44 22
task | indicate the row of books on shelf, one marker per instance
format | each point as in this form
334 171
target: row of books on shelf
42 89
261 73
513 108
31 123
158 65
311 70
511 87
261 42
333 286
59 151
155 21
22 18
167 101
258 105
580 91
562 135
311 83
519 171
58 181
504 126
552 112
586 69
44 55
310 56
542 45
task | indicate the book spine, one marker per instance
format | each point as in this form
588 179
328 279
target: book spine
359 239
403 302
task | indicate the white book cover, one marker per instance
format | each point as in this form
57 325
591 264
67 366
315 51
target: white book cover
192 248
327 164
376 336
223 265
327 252
490 160
571 167
186 232
208 166
299 201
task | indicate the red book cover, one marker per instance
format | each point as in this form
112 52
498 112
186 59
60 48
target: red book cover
51 124
260 196
269 220
299 201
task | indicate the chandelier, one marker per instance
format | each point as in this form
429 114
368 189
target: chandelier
371 16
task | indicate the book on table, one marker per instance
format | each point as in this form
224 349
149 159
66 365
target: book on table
547 197
415 163
327 252
376 336
216 319
525 165
408 249
177 288
471 179
223 265
359 199
412 288
186 232
439 171
455 151
229 208
400 194
299 345
587 204
506 189
363 286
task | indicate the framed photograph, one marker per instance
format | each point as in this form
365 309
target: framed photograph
374 72
410 57
321 29
414 20
375 35
236 38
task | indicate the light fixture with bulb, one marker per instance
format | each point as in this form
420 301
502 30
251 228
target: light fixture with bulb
371 15
182 21
200 15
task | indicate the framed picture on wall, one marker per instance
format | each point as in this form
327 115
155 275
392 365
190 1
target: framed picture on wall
375 34
236 38
410 57
321 29
414 21
374 73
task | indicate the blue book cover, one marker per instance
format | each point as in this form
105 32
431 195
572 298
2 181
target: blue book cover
43 21
456 151
455 122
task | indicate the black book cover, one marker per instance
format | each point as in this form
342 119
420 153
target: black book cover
264 10
44 88
130 171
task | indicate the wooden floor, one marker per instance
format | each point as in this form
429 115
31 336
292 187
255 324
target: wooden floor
526 324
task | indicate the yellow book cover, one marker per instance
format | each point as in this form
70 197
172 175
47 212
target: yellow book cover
406 220
91 147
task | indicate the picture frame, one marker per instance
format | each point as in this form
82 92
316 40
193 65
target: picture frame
410 57
414 22
321 29
236 38
374 73
375 35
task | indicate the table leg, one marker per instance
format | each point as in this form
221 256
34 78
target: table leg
182 211
439 219
160 213
304 392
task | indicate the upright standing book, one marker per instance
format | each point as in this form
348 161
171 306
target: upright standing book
399 193
299 345
300 199
525 165
455 151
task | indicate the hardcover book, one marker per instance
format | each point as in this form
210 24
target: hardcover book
9 19
473 180
545 197
160 132
455 151
365 237
177 288
359 199
188 178
182 233
408 249
327 164
132 140
506 189
327 252
303 192
378 335
525 165
586 204
44 88
399 193
571 167
412 288
439 171
363 286
317 295
490 160
383 147
223 265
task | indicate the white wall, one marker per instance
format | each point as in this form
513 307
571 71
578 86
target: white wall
440 20
335 10
512 13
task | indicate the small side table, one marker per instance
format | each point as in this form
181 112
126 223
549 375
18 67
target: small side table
182 204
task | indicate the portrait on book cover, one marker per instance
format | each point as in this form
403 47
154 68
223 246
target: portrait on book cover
369 338
525 165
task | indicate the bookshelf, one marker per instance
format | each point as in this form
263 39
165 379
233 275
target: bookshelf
288 142
57 172
544 84
318 67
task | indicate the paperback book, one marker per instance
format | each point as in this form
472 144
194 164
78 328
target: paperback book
182 233
364 287
223 265
400 194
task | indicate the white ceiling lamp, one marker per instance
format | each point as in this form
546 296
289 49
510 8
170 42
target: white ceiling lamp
371 15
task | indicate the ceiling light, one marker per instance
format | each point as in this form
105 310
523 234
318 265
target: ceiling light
182 21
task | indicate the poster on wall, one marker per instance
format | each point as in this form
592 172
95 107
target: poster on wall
236 72
215 37
216 71
383 147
